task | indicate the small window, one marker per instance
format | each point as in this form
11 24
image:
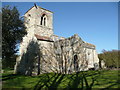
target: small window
75 59
43 20
29 15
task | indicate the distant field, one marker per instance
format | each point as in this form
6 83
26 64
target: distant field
87 79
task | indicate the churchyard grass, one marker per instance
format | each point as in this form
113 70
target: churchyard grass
87 79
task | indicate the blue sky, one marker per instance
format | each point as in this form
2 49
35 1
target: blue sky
94 22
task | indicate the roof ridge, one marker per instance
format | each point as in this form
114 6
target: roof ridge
38 7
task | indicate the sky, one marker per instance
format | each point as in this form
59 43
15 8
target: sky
94 22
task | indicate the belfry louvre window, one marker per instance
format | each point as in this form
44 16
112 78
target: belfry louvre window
43 20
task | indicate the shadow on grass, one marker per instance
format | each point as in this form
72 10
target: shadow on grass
13 81
49 82
81 80
43 81
56 82
10 76
77 80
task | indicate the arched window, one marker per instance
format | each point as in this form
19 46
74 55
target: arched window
43 20
75 62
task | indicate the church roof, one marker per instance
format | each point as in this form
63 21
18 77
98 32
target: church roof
45 9
43 38
90 44
39 7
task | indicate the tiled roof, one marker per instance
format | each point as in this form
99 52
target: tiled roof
43 38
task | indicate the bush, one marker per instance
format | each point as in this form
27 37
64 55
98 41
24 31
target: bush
111 58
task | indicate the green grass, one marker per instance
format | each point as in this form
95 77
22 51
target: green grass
87 79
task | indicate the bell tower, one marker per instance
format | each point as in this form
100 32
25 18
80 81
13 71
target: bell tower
39 19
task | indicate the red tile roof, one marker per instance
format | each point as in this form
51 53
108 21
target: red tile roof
43 38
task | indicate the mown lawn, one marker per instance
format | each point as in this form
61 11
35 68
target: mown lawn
88 79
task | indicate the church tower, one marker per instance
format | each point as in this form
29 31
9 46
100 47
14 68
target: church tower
39 19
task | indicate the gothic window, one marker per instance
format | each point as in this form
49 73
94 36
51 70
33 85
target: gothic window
43 20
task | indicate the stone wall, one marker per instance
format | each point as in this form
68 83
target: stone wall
74 55
48 61
28 47
42 52
63 56
43 31
33 19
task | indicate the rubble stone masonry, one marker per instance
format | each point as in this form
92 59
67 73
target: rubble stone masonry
42 52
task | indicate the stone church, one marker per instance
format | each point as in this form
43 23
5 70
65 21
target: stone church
42 52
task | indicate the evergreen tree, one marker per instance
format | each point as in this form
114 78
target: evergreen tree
13 30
